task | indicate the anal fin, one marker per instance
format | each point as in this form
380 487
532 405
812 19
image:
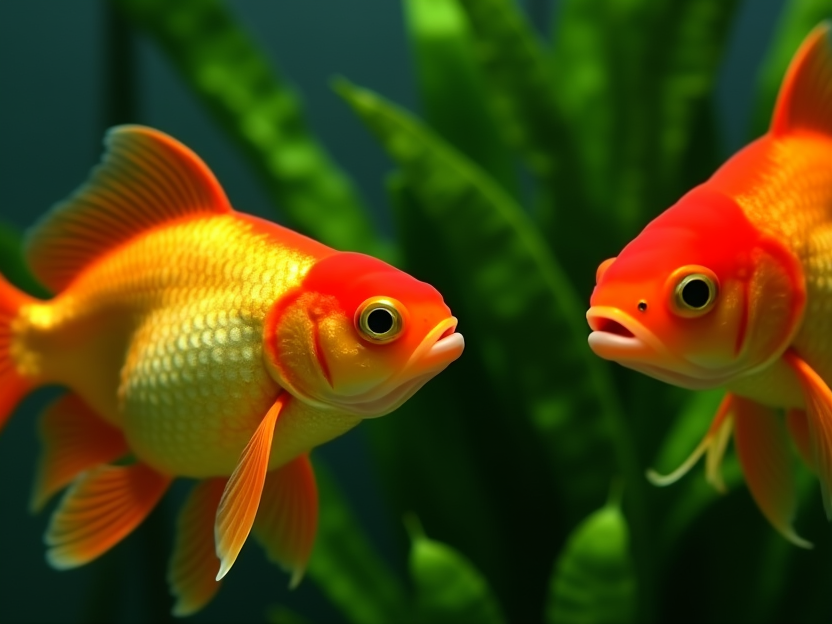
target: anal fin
241 497
287 520
73 439
818 399
194 566
100 509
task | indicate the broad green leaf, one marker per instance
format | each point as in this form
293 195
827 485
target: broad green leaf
345 565
453 96
632 81
529 327
518 70
524 103
12 265
448 587
593 581
799 17
238 84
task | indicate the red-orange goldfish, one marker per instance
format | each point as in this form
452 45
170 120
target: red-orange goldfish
196 341
732 287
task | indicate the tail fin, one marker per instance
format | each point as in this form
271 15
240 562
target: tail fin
805 98
13 386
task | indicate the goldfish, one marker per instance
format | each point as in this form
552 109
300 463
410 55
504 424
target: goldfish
195 341
731 287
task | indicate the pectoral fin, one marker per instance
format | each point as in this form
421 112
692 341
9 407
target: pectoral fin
288 516
712 445
101 508
818 398
241 497
73 439
193 566
760 440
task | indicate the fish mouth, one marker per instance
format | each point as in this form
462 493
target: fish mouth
438 349
618 337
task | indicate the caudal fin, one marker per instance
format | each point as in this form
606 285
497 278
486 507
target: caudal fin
13 386
805 98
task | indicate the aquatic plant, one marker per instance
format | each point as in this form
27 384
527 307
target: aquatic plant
524 461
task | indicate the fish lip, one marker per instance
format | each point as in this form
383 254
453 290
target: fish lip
442 345
641 344
643 350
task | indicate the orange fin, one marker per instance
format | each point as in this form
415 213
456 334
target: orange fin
818 398
73 439
194 566
798 426
145 178
13 386
241 497
713 444
100 509
760 439
288 516
805 98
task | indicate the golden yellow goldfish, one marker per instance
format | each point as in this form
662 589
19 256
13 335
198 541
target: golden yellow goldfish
196 341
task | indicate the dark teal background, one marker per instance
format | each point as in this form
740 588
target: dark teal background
52 117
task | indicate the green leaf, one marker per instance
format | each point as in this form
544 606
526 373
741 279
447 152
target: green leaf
518 70
527 323
448 587
237 83
454 98
593 581
632 80
345 565
799 17
13 266
524 103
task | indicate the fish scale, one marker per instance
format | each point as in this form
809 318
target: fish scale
193 416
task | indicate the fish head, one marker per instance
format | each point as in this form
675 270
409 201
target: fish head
699 298
359 336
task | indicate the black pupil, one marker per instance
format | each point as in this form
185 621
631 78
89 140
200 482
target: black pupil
380 321
696 293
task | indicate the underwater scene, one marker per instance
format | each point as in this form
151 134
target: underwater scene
572 416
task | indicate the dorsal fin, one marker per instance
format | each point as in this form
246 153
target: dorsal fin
805 98
144 179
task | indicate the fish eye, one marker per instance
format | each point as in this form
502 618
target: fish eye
695 293
379 320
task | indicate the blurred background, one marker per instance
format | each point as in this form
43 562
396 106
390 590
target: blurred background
69 70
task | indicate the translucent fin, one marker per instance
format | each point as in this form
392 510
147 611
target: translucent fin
717 436
720 434
761 442
805 98
13 386
798 426
818 398
288 516
100 509
73 439
241 497
145 178
194 565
